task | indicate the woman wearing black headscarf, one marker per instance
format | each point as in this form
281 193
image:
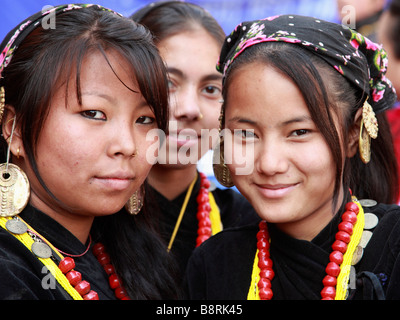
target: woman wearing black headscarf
303 93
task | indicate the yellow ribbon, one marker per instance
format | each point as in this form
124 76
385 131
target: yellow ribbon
27 240
344 275
215 216
255 277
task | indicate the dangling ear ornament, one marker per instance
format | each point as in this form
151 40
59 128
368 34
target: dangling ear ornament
221 171
15 190
368 130
135 202
14 184
2 102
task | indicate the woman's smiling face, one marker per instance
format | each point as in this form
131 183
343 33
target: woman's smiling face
294 173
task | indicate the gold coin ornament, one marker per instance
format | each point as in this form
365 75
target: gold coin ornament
14 188
221 171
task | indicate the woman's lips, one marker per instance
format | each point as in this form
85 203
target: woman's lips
275 191
184 137
115 182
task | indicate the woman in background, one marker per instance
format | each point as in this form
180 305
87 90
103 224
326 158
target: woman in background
190 210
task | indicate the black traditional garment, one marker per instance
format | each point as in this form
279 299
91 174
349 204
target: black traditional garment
235 210
299 265
361 61
24 277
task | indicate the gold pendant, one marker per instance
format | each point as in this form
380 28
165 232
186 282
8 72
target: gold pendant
364 144
370 121
135 202
221 171
15 190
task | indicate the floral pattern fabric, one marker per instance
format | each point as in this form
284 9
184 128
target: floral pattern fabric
355 57
18 34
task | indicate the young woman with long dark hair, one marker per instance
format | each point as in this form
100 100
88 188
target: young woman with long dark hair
309 96
77 101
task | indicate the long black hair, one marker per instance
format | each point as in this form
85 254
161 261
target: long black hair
48 57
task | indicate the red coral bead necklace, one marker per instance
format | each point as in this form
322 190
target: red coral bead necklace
203 211
74 277
204 230
342 238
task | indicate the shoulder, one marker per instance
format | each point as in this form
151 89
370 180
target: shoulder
383 223
388 216
381 234
235 241
228 197
21 272
229 252
381 255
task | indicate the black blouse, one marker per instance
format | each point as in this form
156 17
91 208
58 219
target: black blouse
221 268
235 210
24 277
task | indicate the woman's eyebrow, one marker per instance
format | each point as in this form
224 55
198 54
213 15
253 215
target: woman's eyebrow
98 94
242 120
177 72
305 118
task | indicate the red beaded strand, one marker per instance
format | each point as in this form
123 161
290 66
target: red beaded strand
67 266
264 263
102 256
342 238
203 211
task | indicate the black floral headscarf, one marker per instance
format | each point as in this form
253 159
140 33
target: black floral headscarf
15 37
358 59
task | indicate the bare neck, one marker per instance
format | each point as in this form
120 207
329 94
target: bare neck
171 182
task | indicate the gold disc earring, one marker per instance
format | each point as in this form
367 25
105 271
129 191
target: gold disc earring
221 171
15 190
14 184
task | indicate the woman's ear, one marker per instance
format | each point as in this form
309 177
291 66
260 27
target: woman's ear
11 132
354 135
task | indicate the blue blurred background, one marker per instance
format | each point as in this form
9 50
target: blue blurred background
228 12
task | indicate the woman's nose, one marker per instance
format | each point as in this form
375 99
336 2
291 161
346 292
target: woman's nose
271 159
123 142
185 105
